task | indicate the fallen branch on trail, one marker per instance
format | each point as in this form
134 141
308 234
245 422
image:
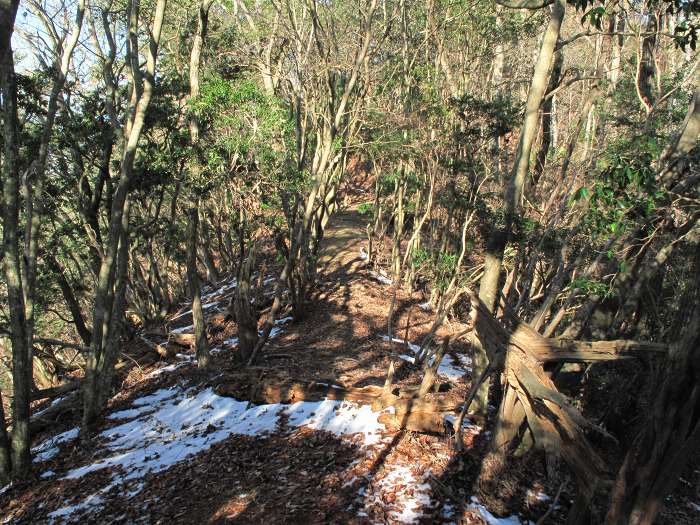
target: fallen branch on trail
409 411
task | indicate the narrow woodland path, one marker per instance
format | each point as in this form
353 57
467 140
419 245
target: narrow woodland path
237 446
343 240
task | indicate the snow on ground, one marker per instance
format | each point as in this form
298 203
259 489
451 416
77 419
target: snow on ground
381 278
173 424
49 405
408 495
338 417
225 287
205 307
233 341
49 448
490 519
450 367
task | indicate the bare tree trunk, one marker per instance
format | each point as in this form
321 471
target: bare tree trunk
547 118
495 247
671 435
17 460
246 317
69 297
142 90
200 338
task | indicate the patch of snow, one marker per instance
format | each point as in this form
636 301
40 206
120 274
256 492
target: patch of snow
425 306
53 402
413 347
337 417
171 425
205 307
5 488
694 506
92 501
230 285
47 474
49 448
538 496
466 424
381 278
175 429
363 254
412 496
183 329
449 367
489 518
233 341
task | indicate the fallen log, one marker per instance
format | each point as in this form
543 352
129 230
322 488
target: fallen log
55 391
408 411
186 340
587 351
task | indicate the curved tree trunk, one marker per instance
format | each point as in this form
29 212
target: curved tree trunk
495 247
671 435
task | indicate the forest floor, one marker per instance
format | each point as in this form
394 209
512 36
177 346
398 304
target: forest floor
171 449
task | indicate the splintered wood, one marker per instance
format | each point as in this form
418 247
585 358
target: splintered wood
532 397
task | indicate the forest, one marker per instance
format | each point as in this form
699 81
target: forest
350 261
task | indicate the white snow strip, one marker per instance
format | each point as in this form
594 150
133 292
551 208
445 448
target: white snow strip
92 501
175 429
381 278
49 448
490 519
413 347
222 290
466 423
449 367
182 330
171 425
47 474
233 341
53 402
5 488
538 496
338 417
205 307
411 495
425 306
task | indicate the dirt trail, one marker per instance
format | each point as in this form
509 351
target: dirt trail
342 241
221 470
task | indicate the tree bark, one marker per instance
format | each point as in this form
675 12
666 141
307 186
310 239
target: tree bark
495 247
671 435
141 91
17 460
200 338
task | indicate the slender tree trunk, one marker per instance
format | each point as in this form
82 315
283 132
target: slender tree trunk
547 119
200 338
142 90
69 297
495 247
671 435
20 461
